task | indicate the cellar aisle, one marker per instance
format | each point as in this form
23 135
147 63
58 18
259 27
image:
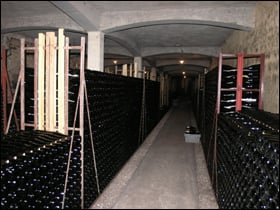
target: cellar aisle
165 172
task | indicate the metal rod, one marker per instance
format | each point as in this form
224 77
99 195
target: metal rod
70 151
239 82
142 117
261 89
75 47
7 91
13 103
29 124
76 129
81 93
214 166
92 145
219 83
244 90
29 48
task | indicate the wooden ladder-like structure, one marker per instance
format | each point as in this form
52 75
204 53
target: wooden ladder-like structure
7 95
51 64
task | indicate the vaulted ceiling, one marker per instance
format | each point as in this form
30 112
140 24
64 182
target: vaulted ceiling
161 32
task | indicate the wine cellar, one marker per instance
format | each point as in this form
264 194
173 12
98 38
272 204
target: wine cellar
121 106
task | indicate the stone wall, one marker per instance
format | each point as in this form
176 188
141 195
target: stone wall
264 38
11 42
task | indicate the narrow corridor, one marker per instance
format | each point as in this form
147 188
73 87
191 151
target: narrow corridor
166 172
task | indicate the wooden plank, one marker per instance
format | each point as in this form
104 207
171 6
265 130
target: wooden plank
36 84
66 78
261 85
47 75
51 84
22 97
135 70
41 81
153 75
124 69
130 70
61 86
81 94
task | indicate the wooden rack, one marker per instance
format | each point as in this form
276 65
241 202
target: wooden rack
7 94
51 64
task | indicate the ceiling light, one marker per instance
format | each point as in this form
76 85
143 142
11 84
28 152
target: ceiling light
115 61
184 72
181 61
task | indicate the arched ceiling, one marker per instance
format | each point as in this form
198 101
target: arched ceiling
159 31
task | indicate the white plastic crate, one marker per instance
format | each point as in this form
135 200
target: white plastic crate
192 134
192 138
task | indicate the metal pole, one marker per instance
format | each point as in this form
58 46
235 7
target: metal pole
261 89
92 145
239 82
81 93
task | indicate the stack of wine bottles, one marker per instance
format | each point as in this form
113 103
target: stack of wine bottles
37 178
33 170
248 160
250 99
115 104
250 80
152 104
210 94
29 95
73 90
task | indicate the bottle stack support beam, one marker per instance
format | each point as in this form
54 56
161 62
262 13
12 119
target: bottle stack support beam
7 94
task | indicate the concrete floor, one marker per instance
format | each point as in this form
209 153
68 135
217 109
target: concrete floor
165 172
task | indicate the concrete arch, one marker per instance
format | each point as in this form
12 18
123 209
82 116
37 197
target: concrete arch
190 69
207 51
230 25
116 32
